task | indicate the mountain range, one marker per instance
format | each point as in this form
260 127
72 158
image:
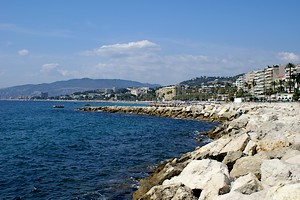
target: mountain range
68 87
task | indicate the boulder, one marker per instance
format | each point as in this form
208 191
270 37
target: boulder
237 143
229 115
218 145
223 111
290 153
245 165
161 173
239 196
273 141
250 148
247 184
239 123
209 176
231 158
170 192
284 192
294 159
212 149
276 171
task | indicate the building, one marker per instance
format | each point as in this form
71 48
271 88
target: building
239 83
272 76
44 95
139 91
289 71
264 81
249 79
170 92
259 83
106 90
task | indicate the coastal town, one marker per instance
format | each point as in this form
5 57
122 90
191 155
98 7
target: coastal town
271 83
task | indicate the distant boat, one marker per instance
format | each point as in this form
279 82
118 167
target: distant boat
58 106
87 104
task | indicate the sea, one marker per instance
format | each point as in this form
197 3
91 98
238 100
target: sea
62 153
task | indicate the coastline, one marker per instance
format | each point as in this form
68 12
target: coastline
255 155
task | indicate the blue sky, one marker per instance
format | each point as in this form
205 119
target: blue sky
155 41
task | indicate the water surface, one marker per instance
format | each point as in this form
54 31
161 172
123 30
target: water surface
48 153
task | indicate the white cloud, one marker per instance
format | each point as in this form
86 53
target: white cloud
288 56
158 68
23 52
49 67
122 49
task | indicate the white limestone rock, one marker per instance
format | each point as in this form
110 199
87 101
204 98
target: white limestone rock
239 196
284 192
219 145
237 143
210 176
273 141
294 159
245 165
247 184
275 171
169 192
250 148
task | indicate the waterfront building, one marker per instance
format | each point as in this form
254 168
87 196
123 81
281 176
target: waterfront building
139 91
290 70
44 95
240 82
249 79
259 83
168 93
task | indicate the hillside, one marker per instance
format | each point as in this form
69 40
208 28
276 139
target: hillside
195 82
68 87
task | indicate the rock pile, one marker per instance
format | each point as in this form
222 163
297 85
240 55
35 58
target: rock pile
256 155
258 158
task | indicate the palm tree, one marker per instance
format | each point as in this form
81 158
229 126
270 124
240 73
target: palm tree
297 80
281 83
296 94
274 85
290 66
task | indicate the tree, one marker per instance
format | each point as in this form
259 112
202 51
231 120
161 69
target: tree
297 80
281 83
240 93
290 66
231 93
296 94
269 91
274 86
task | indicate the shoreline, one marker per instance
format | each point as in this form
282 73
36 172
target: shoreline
255 155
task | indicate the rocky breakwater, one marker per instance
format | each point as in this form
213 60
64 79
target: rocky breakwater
205 111
258 157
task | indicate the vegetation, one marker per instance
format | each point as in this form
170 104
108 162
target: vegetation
206 80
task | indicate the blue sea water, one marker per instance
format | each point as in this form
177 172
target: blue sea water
48 153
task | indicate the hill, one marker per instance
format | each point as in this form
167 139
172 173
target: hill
206 80
68 87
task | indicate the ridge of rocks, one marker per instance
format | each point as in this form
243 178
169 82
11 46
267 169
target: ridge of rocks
256 155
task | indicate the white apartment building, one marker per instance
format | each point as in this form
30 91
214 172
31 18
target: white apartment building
139 91
259 81
289 72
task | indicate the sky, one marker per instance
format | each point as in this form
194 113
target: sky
150 41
